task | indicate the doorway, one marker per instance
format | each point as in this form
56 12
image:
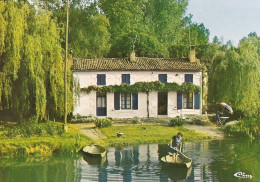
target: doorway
101 104
162 103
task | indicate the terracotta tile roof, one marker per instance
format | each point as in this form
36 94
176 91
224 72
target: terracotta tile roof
140 64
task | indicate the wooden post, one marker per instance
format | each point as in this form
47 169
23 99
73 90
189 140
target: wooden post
65 69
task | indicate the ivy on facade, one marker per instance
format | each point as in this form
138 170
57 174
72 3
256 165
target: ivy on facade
143 87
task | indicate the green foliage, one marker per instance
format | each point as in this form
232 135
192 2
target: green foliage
81 119
248 127
136 120
89 37
233 72
32 128
103 122
176 121
144 87
31 62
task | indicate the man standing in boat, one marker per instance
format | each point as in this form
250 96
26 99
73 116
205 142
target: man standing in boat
175 146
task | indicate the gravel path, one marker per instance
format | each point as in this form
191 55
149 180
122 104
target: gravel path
89 130
211 130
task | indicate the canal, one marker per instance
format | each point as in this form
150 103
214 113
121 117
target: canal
217 160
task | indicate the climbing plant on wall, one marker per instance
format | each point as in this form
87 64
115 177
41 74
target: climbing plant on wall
143 87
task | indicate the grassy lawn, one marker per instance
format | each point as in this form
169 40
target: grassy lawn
70 142
142 134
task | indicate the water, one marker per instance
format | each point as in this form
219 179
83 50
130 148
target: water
212 161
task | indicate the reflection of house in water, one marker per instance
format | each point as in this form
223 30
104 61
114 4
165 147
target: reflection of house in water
202 169
134 164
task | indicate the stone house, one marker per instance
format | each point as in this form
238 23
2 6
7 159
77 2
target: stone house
104 72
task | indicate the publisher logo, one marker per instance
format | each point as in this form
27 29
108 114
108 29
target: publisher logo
243 175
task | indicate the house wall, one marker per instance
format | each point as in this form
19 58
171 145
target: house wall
87 102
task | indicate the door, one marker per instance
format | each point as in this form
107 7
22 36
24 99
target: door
101 104
162 103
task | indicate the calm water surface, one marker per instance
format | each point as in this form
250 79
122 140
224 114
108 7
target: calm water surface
212 161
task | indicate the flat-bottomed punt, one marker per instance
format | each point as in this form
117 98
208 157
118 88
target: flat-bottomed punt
182 161
95 150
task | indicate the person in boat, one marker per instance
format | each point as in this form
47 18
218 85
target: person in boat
175 146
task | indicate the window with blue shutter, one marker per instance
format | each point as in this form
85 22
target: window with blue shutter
163 78
179 100
197 100
117 101
189 78
101 79
135 101
126 78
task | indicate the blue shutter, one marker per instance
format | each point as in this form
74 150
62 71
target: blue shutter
128 78
98 79
197 100
189 78
135 101
179 100
103 79
117 101
163 78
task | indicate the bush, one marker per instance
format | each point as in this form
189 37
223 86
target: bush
32 128
136 120
103 122
199 120
246 127
176 121
83 119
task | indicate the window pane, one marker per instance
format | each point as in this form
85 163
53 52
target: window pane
126 78
101 79
190 104
103 102
99 101
163 78
185 100
123 100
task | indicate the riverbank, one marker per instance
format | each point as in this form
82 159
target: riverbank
139 134
65 143
80 135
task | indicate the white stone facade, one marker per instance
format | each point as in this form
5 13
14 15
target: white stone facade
86 106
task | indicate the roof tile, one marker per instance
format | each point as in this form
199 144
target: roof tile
140 64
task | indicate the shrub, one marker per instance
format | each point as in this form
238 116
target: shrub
176 121
136 120
103 122
199 120
33 128
246 127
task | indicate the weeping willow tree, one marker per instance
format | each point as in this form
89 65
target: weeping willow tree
235 76
31 82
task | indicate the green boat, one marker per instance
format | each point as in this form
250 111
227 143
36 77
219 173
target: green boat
182 161
95 150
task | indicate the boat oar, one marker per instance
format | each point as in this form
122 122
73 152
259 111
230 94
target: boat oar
180 152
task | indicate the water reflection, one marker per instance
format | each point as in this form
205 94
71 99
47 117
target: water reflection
212 161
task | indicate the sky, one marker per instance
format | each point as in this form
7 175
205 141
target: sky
230 19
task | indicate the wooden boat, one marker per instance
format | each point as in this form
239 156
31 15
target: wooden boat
182 161
95 150
176 173
95 161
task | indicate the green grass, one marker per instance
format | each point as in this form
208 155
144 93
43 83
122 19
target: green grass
70 142
144 134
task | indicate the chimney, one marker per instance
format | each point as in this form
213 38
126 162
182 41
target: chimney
132 56
192 56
